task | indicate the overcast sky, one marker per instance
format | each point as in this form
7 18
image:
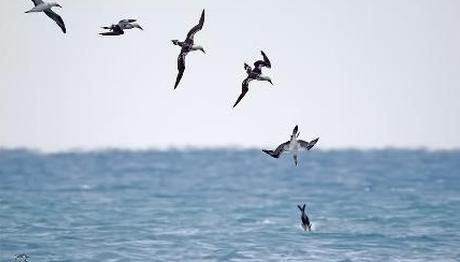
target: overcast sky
361 74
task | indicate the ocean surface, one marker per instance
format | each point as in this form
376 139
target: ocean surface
230 205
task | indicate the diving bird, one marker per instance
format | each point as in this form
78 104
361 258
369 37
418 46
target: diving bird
45 7
293 146
306 225
186 46
254 74
21 258
118 29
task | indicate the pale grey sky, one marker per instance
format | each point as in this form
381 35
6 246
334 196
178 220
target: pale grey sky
359 74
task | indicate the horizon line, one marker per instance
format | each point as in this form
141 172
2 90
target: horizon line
213 148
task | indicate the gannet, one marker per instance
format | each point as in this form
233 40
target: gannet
117 29
293 146
306 225
254 74
186 47
45 7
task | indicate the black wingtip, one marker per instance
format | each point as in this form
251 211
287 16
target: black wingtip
176 84
268 152
314 141
296 129
202 17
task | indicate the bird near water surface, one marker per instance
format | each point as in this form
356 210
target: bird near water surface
306 225
294 145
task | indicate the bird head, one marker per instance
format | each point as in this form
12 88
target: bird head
136 25
266 78
200 48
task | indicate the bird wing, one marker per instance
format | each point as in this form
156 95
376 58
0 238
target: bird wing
295 130
37 2
180 67
244 90
117 29
114 30
56 19
196 28
308 145
110 33
307 220
277 152
261 63
248 68
126 21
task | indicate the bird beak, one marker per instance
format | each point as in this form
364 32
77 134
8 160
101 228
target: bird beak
141 28
59 6
202 50
270 82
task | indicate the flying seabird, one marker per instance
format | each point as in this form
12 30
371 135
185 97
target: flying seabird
186 47
45 7
292 146
254 74
117 29
306 225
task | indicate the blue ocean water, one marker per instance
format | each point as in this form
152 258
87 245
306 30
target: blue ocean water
230 205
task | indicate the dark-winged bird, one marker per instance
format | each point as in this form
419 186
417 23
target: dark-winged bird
254 74
293 146
306 225
118 29
187 46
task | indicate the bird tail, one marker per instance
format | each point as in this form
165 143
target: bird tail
176 42
301 208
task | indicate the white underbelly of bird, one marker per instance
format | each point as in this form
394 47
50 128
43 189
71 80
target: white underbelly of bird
40 8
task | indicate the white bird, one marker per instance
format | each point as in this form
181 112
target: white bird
45 7
293 146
